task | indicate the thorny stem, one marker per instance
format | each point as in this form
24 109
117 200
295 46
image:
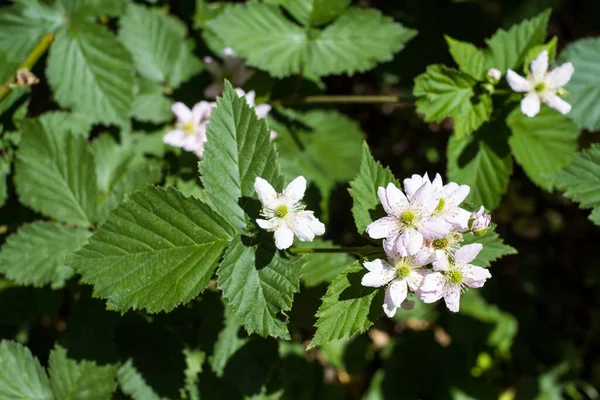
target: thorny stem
28 64
361 251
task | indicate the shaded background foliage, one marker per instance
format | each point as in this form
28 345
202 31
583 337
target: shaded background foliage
532 332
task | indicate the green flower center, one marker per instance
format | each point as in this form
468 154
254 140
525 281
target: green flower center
281 211
540 87
440 244
440 206
408 218
402 270
455 277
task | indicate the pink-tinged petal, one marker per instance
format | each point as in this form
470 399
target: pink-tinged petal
459 195
192 143
423 257
265 192
284 237
182 112
409 242
228 51
415 279
461 220
200 152
437 183
467 253
175 138
539 66
452 297
412 184
433 287
301 227
389 246
475 277
380 274
517 82
396 200
294 192
530 105
397 290
560 76
449 188
262 110
441 262
554 101
250 98
425 199
201 111
389 308
240 92
272 135
435 228
383 228
266 225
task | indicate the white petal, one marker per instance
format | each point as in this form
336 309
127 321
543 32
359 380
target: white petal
458 195
301 227
425 199
389 246
539 66
435 228
554 101
284 238
175 138
449 188
388 306
474 276
262 110
314 224
530 105
272 135
380 273
397 291
412 184
433 287
441 263
201 111
517 82
240 92
423 257
461 220
395 199
452 297
265 192
193 142
437 182
415 279
467 253
182 112
559 76
250 97
409 242
294 192
263 223
383 228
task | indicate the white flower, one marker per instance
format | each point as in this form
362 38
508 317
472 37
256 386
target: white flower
450 195
479 222
262 110
541 85
285 215
494 74
401 274
190 129
408 221
450 279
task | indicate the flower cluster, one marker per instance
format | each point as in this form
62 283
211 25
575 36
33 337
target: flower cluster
425 225
189 131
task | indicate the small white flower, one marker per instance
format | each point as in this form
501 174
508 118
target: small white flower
451 278
190 129
285 215
451 196
479 222
494 74
408 221
400 274
262 110
542 85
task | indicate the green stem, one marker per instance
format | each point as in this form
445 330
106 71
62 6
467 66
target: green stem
29 62
351 99
348 250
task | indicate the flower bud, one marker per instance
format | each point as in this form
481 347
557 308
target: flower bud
494 75
479 222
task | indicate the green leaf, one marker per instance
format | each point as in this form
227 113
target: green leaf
21 375
356 41
595 216
532 54
227 344
156 251
581 178
348 307
543 144
321 267
4 172
132 383
155 40
468 57
185 65
482 161
91 72
445 92
150 104
194 359
493 248
80 380
315 12
55 172
363 189
584 87
259 284
238 150
34 254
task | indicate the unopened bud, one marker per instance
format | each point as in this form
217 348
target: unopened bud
479 222
228 51
494 74
561 92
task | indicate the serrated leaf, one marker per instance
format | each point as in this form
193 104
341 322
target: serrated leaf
581 178
356 41
186 65
80 380
132 383
259 284
150 104
21 375
595 216
4 171
194 359
543 144
91 72
348 307
468 57
445 92
227 344
33 255
363 189
55 172
157 250
314 12
238 149
155 40
584 87
321 267
493 248
482 161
